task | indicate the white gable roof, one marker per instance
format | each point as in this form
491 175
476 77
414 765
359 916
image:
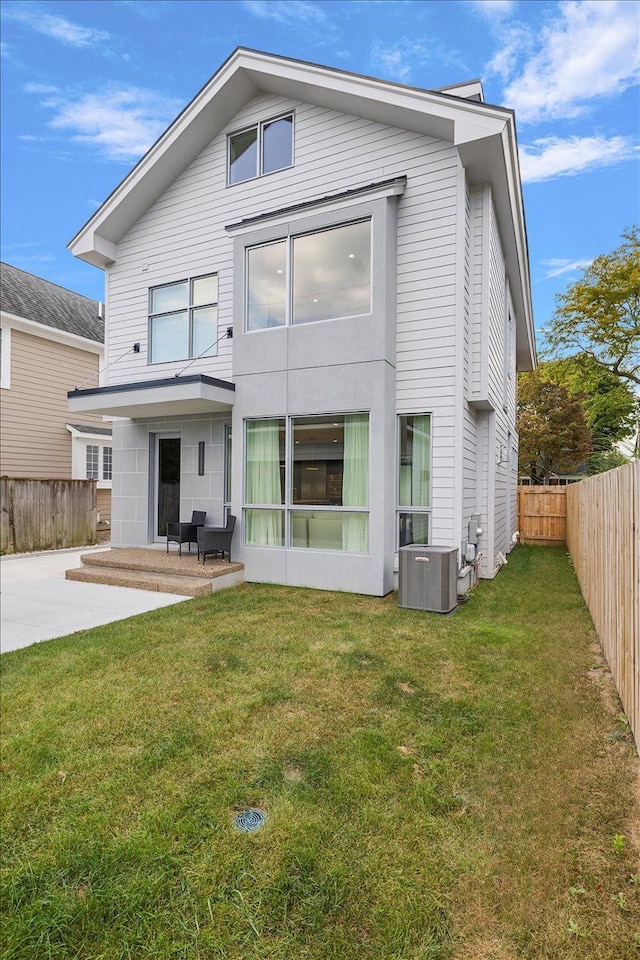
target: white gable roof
484 134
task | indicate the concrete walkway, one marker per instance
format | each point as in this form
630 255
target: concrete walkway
39 604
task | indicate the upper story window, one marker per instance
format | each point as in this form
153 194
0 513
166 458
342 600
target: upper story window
263 148
315 276
183 319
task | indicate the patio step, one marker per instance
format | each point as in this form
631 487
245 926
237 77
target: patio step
149 569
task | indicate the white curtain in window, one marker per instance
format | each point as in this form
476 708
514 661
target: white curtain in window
264 527
355 484
420 462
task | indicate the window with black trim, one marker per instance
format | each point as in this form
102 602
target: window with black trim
262 148
314 276
183 319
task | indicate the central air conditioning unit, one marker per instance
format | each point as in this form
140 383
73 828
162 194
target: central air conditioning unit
427 578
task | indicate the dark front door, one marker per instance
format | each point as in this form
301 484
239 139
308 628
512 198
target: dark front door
168 483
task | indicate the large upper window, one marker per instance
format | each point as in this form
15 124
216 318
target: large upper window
183 319
316 276
414 479
261 149
317 495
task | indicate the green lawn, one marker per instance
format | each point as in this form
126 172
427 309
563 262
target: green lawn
436 787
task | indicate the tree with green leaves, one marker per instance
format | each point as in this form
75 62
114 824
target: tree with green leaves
599 315
552 427
610 404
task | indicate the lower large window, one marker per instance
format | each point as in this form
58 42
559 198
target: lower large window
307 482
414 479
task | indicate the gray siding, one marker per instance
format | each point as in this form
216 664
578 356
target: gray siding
476 262
497 312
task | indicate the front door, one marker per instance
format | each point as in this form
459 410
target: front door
167 492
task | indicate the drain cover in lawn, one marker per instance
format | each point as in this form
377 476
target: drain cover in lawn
251 819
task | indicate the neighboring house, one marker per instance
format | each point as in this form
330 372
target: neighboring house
332 270
51 340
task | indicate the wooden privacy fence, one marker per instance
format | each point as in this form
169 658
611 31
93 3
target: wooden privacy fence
46 514
603 536
542 515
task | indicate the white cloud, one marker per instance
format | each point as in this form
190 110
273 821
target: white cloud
286 11
494 8
150 11
552 157
43 258
120 122
556 267
39 88
516 41
397 61
37 18
590 50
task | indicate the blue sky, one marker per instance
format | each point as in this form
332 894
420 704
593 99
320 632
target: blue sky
88 86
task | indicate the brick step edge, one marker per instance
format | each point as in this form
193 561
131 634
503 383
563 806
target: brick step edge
141 580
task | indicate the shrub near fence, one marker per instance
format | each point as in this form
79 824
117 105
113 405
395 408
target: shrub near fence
46 514
603 536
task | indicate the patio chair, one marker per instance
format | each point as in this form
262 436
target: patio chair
187 532
216 540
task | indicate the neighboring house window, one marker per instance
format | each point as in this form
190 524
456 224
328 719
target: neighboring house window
315 276
5 357
414 478
107 463
260 149
316 496
91 455
93 462
183 319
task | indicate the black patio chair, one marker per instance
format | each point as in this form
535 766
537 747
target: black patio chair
216 540
187 532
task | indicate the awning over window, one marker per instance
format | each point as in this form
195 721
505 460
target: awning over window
174 396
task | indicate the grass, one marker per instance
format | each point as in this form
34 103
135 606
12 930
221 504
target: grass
437 788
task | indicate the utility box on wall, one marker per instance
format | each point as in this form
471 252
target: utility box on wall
427 578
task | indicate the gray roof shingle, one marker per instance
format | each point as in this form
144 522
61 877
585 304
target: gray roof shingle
33 298
84 428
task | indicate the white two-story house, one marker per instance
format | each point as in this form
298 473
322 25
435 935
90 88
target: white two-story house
318 297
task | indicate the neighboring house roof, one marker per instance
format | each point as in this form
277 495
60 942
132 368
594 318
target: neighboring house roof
31 298
484 134
84 428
